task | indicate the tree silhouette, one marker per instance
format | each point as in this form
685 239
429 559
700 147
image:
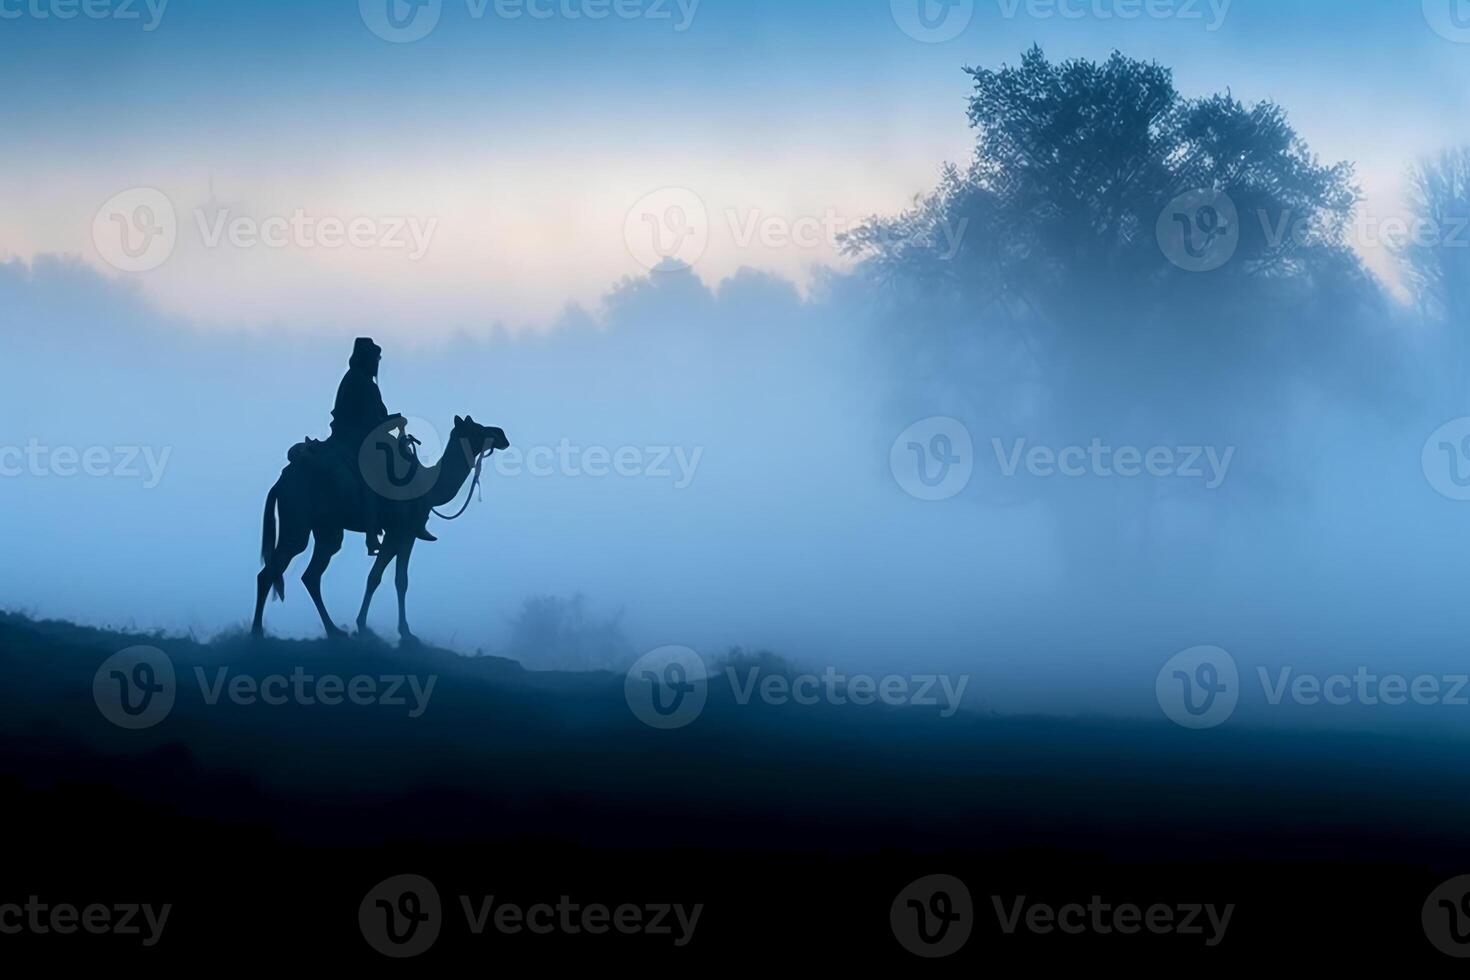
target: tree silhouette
1436 254
1036 279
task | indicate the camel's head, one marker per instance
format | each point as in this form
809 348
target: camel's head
479 439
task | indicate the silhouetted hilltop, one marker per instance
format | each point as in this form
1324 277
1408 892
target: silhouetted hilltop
788 820
529 751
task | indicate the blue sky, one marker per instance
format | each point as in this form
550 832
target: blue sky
527 140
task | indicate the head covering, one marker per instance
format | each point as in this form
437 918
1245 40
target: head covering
365 353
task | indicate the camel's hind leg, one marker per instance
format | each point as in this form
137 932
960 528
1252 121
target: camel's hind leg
292 543
262 590
374 579
328 543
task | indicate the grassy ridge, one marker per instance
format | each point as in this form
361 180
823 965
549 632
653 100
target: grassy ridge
547 782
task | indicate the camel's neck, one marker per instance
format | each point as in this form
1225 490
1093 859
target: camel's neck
451 472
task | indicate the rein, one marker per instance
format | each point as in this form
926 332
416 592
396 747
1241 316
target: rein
474 485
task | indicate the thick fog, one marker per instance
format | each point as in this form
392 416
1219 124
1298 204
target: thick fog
1134 456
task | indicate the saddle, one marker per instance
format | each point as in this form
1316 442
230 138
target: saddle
329 466
310 451
351 472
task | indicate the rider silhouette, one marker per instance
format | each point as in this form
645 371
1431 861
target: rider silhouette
358 412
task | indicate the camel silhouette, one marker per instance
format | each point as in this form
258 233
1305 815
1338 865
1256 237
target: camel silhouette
312 501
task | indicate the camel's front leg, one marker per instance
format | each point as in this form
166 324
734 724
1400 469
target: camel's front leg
375 579
328 543
400 579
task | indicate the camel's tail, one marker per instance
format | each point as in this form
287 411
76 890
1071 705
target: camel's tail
268 540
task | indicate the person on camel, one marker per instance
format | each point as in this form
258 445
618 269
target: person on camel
358 413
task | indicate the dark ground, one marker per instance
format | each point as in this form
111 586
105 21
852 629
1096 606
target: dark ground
795 827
